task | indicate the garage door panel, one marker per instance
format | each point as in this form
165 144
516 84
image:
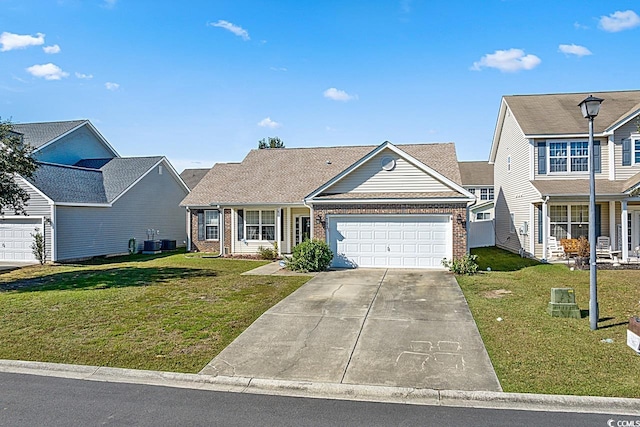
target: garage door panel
16 239
390 241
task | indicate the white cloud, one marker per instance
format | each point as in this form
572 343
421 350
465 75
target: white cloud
619 21
268 123
10 41
47 71
238 31
112 86
84 76
338 95
579 26
278 69
51 49
574 49
511 60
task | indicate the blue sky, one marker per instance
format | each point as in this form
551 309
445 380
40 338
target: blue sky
202 81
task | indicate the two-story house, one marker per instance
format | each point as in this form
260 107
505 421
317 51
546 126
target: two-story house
89 201
541 171
477 179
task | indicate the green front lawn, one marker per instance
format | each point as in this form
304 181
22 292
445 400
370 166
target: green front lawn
171 313
535 353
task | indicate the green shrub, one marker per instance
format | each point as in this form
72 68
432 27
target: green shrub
38 247
466 265
268 253
310 255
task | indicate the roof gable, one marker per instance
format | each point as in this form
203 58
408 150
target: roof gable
386 171
38 134
192 177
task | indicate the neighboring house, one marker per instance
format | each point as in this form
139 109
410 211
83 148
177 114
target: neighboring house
89 201
541 171
384 206
477 179
192 177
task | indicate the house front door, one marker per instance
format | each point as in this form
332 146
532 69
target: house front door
303 229
634 233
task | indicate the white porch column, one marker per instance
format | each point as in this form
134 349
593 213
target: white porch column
625 231
279 230
287 232
612 225
545 231
312 222
234 233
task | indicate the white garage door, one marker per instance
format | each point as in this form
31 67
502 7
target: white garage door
16 239
414 241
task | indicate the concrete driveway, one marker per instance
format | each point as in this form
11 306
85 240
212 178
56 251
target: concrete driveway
403 328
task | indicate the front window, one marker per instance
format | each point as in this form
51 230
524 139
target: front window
484 194
260 225
572 156
559 220
579 221
483 216
472 190
211 225
491 193
636 148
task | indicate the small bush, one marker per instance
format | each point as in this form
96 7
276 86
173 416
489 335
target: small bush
466 265
268 253
38 246
310 255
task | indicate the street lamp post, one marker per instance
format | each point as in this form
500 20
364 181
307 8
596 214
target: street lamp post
590 107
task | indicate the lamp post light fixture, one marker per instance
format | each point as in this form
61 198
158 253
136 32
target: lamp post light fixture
590 107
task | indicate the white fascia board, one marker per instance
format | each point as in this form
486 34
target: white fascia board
497 131
36 189
155 165
622 121
400 153
176 175
84 205
390 201
566 135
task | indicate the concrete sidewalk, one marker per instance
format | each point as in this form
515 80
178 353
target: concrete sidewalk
397 328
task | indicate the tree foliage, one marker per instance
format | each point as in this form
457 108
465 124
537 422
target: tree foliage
15 158
270 142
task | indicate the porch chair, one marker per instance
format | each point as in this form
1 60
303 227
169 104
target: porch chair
555 249
603 247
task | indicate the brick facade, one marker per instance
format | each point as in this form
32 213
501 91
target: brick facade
201 245
459 230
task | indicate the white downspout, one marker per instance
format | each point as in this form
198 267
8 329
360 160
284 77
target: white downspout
545 232
221 225
625 231
188 229
311 220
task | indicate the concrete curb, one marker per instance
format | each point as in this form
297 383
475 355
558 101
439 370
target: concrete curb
405 395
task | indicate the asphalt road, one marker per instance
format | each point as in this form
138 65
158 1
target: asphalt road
30 400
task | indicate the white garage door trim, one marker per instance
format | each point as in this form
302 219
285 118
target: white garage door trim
16 240
390 241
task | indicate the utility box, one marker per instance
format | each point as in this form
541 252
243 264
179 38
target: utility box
633 334
563 303
168 245
152 247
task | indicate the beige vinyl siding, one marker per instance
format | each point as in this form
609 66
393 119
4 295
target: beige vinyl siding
153 203
513 191
35 206
371 178
604 164
624 172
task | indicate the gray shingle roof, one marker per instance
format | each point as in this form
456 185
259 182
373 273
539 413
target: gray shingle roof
38 134
92 180
287 175
192 177
476 173
558 114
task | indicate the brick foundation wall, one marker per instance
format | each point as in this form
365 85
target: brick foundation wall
201 245
459 231
227 230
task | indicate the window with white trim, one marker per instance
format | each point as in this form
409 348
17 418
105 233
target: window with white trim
636 148
559 221
260 225
211 225
483 216
491 193
486 193
472 190
579 221
569 156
